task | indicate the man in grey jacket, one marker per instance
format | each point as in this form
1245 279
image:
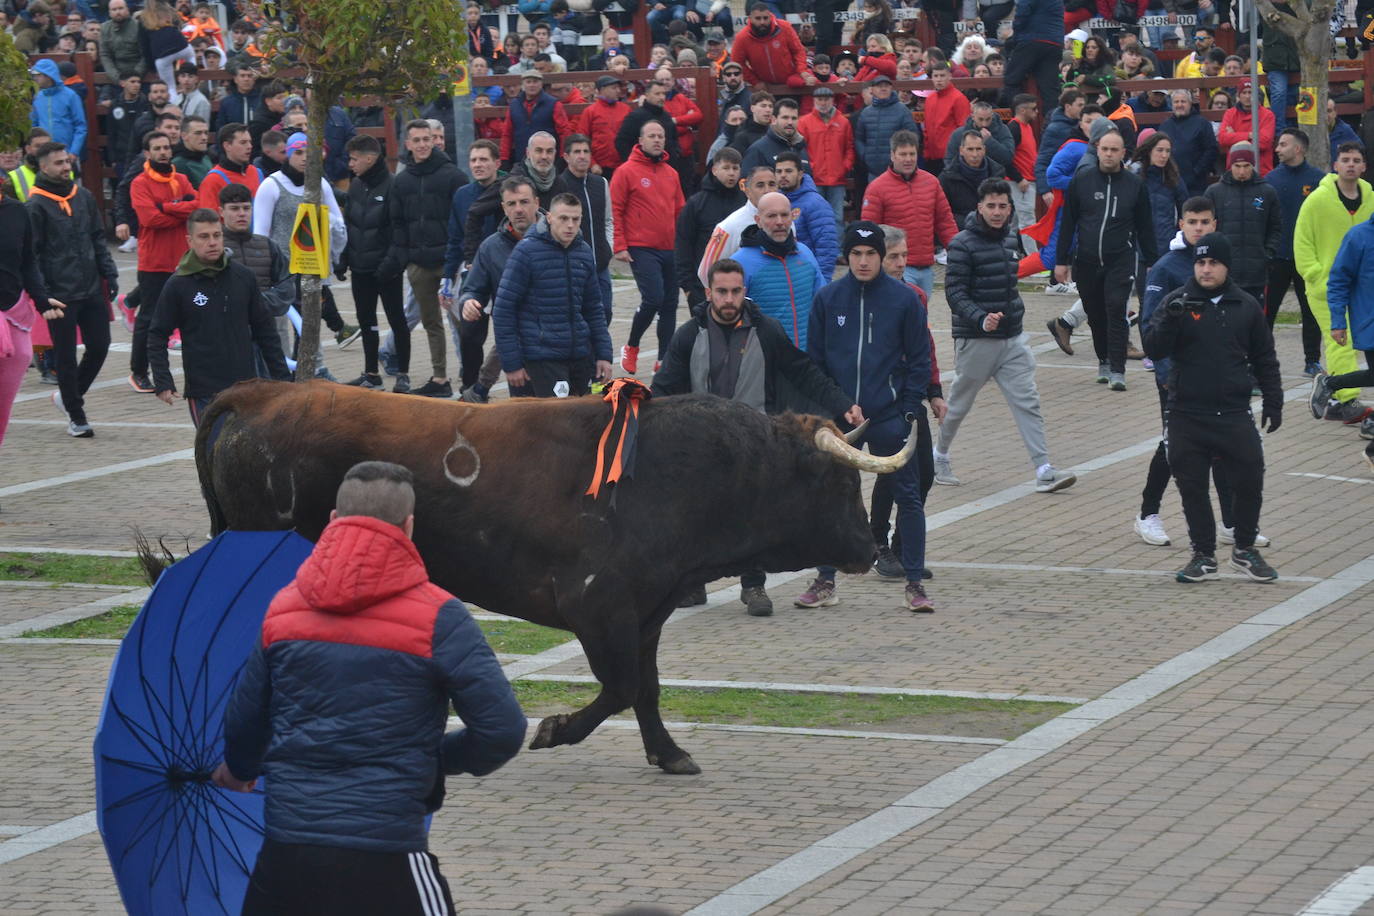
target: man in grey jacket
980 286
996 136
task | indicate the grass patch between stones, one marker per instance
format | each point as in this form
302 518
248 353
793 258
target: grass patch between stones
62 567
112 624
516 637
932 715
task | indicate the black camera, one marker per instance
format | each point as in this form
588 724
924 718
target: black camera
1180 305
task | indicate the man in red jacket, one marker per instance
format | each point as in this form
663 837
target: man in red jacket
768 49
645 199
601 120
947 109
830 140
164 200
912 200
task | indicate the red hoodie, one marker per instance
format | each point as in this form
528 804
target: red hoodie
771 59
600 120
945 112
646 196
159 200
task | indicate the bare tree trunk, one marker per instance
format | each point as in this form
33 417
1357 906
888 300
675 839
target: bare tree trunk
1309 27
311 283
1314 53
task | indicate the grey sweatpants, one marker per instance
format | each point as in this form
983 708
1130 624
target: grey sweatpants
1012 365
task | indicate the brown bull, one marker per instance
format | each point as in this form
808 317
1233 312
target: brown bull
502 519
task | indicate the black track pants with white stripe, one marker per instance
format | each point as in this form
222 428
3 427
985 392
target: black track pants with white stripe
296 880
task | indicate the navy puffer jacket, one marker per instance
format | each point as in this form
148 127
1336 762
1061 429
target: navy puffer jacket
981 279
343 704
548 304
874 128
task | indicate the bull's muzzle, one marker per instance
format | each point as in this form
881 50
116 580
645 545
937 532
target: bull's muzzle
837 446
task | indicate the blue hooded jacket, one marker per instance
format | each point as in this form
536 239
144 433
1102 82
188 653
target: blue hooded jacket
815 224
1350 289
1173 269
872 339
548 304
781 279
58 110
1342 133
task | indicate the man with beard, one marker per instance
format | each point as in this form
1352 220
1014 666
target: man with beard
163 200
159 103
768 50
421 197
732 88
69 241
119 50
192 157
781 137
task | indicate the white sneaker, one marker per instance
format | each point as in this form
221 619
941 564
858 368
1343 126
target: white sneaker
942 257
57 402
1054 480
1062 289
1151 531
1228 536
129 245
944 474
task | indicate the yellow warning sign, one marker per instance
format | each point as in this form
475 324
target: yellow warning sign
461 84
310 240
1306 105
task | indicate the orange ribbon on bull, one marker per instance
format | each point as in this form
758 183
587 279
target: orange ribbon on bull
624 395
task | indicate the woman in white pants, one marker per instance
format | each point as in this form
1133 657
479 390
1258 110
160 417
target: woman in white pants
162 41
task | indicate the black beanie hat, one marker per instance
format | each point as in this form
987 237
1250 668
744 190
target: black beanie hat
865 232
1213 245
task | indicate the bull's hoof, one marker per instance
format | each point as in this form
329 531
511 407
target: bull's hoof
680 764
544 736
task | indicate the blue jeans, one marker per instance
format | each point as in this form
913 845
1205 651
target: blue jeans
603 279
1278 98
885 439
924 277
654 275
834 195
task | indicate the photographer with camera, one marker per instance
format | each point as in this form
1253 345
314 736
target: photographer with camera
1215 335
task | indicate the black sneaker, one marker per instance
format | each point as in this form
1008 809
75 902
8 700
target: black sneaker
372 381
473 394
887 564
1320 395
693 598
402 385
1252 564
433 389
756 601
1369 455
1199 569
140 383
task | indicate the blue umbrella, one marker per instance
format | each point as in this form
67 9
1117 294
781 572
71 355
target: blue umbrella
176 842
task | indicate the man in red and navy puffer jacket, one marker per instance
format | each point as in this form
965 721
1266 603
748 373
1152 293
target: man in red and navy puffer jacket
343 706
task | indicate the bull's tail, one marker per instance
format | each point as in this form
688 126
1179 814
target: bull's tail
153 559
211 425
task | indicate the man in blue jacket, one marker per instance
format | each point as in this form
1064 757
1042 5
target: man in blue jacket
815 220
1195 143
869 333
1293 178
1339 131
1348 292
57 109
782 274
548 318
343 706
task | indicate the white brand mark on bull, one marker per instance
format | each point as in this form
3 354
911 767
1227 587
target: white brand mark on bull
461 444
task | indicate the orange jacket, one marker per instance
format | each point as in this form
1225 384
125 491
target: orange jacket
600 121
162 205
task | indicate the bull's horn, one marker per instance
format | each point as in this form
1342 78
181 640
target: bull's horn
853 435
827 440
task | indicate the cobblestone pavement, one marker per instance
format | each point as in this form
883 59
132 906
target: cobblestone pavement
1219 765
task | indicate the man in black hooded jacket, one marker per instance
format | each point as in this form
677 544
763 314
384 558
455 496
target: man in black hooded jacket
720 195
1215 334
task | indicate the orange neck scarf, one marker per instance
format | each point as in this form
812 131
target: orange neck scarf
63 202
155 175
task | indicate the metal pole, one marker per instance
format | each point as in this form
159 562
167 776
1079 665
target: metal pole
1254 84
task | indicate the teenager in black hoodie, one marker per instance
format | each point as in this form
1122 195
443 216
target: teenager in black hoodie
720 195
